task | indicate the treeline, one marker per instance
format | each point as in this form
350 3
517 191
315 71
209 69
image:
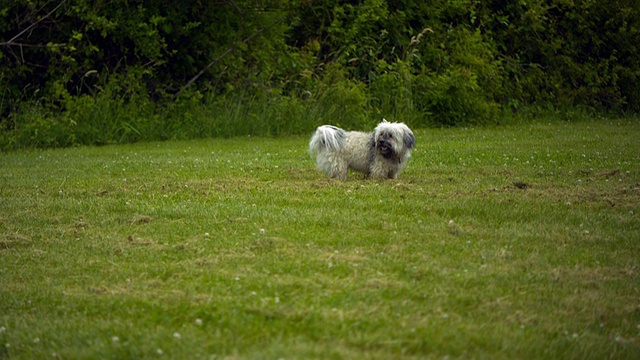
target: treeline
108 71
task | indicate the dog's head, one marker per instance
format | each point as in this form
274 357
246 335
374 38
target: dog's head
393 139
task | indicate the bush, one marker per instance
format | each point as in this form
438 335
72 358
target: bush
125 72
454 98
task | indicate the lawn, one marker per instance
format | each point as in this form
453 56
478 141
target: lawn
498 242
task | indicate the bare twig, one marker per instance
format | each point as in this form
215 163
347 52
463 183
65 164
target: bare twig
236 6
206 68
34 45
11 43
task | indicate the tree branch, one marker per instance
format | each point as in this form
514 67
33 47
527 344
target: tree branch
11 43
229 50
33 45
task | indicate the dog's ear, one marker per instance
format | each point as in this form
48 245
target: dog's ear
409 139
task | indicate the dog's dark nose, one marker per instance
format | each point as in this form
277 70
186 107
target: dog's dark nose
385 147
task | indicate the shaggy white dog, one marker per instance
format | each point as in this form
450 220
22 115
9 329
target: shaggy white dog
382 153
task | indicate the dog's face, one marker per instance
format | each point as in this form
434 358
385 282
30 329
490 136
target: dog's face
392 139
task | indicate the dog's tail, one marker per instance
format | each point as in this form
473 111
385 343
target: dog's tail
327 138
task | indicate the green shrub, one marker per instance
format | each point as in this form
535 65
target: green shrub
123 73
454 98
34 127
392 94
338 100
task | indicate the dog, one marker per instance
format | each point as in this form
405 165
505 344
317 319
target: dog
381 154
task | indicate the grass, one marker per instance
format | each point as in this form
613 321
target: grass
502 242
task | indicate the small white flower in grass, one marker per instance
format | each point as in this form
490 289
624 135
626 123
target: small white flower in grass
2 329
159 351
262 231
176 335
115 339
206 234
277 300
199 322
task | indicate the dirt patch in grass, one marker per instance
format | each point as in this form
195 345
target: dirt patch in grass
13 241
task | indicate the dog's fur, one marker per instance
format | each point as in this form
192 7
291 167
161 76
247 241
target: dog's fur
382 153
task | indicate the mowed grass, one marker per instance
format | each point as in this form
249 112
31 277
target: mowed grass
503 242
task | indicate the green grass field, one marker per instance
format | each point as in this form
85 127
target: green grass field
502 242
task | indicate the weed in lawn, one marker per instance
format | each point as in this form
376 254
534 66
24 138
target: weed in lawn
494 242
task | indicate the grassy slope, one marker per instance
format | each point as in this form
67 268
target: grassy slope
514 242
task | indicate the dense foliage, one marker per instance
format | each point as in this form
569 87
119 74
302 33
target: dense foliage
95 72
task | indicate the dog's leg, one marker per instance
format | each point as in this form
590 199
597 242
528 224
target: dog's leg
333 164
379 170
339 170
